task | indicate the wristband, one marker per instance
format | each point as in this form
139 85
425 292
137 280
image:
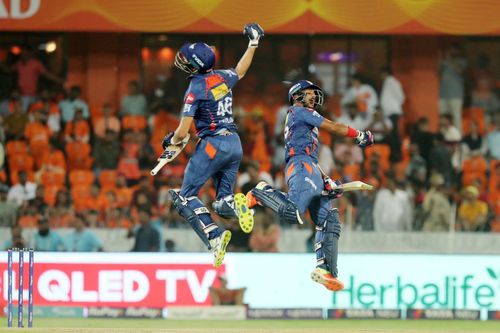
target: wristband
351 132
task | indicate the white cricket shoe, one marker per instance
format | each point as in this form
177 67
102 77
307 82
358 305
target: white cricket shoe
219 245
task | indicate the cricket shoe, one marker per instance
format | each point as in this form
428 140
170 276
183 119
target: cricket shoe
218 246
244 213
251 199
324 277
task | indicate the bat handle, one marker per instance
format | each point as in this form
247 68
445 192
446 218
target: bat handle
158 167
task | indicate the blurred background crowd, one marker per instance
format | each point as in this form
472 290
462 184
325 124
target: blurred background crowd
74 162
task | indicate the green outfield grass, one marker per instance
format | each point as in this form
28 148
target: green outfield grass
68 325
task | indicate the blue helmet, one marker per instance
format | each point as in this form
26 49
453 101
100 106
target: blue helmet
195 58
296 90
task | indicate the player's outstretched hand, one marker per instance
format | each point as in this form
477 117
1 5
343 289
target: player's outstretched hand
332 189
253 31
364 139
167 140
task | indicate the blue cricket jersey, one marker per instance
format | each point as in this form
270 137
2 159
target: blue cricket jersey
301 132
209 100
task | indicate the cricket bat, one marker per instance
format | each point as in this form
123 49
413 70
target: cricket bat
356 186
169 154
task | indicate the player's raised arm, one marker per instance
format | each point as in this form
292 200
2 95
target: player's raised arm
253 31
363 138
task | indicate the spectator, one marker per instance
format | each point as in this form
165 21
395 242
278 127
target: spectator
16 241
436 206
46 239
107 122
15 122
23 191
473 141
472 212
450 133
440 159
69 105
147 189
38 202
61 214
392 98
222 295
353 117
423 137
364 207
361 94
252 176
493 139
38 135
392 209
78 129
265 235
146 153
347 152
8 210
46 103
106 151
133 104
416 171
381 127
28 70
147 238
452 68
170 245
82 239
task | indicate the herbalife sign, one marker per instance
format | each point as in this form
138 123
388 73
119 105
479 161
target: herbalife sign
419 281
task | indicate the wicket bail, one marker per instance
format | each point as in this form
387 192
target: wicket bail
20 286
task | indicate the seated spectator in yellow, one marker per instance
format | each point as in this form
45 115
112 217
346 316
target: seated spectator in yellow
472 212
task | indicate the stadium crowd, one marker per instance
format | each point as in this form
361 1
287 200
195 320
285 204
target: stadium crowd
69 163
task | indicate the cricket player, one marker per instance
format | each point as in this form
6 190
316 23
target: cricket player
306 181
208 102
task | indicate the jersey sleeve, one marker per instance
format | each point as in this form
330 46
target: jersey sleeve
230 76
310 117
191 101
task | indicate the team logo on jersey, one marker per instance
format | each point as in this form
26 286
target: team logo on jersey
220 91
189 98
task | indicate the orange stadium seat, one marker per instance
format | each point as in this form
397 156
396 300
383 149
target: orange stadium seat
81 177
380 149
107 178
20 162
79 156
474 168
134 123
16 147
50 194
80 194
51 178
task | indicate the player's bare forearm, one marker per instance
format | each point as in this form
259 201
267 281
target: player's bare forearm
245 62
335 128
182 130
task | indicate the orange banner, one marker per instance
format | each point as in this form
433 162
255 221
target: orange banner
286 16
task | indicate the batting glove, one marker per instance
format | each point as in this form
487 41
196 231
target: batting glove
364 139
253 31
167 140
332 189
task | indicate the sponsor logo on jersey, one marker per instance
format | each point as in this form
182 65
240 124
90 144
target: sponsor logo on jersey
220 91
189 98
